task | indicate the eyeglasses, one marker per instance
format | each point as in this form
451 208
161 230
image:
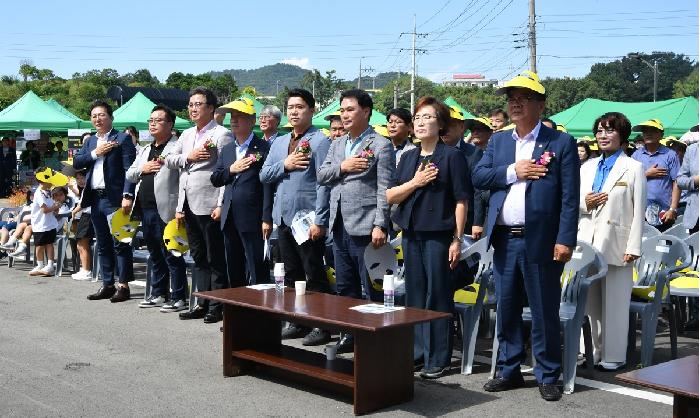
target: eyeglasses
606 131
424 117
156 121
520 99
195 105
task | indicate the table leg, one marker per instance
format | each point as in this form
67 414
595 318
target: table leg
684 406
383 368
247 329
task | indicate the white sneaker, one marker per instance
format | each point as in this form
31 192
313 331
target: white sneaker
152 302
174 306
36 271
48 270
9 245
19 251
82 275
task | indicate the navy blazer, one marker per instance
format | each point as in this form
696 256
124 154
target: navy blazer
551 203
248 199
116 163
437 207
8 162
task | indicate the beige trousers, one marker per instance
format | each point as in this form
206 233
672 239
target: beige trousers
608 308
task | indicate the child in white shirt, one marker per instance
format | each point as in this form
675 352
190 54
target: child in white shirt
44 225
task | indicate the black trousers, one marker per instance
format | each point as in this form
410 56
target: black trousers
244 255
303 262
207 249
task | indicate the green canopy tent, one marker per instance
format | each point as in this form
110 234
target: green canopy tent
30 112
83 123
450 101
136 112
377 118
258 108
677 115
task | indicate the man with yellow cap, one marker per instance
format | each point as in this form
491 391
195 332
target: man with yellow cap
533 175
246 203
661 167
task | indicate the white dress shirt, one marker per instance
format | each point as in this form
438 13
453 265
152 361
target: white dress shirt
97 181
513 211
241 149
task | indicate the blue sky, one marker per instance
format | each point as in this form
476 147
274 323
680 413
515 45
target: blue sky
467 36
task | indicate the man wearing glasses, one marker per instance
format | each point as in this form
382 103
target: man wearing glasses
196 155
154 204
269 120
533 175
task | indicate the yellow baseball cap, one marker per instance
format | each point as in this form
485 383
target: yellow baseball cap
473 122
51 176
561 128
332 115
242 104
455 113
586 139
527 80
593 145
175 238
381 130
326 132
651 123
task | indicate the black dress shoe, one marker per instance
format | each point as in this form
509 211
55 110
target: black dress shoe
317 336
550 392
123 294
294 331
500 384
213 317
197 312
433 372
346 344
105 292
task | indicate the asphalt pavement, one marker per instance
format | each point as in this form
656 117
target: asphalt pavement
62 355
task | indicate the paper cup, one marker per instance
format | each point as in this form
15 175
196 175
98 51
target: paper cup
300 288
331 351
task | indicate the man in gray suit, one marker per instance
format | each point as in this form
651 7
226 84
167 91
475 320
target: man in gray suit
688 180
155 202
196 155
291 168
358 168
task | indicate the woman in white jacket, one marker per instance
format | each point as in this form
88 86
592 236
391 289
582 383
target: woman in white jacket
613 197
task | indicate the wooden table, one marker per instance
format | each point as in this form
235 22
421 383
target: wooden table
679 377
381 373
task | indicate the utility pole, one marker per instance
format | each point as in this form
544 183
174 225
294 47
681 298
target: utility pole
532 39
278 88
654 68
396 94
414 51
365 70
313 88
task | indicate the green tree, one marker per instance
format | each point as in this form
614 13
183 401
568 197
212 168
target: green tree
384 100
140 78
478 101
325 89
631 80
562 93
687 87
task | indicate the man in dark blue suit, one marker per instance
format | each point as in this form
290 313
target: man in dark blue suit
533 175
246 203
107 156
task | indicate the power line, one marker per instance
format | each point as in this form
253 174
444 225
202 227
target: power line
436 13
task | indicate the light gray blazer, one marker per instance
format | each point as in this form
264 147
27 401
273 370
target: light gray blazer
299 189
361 196
688 170
195 183
165 183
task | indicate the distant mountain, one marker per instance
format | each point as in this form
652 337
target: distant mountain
380 80
264 79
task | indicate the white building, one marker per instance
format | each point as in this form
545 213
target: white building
469 80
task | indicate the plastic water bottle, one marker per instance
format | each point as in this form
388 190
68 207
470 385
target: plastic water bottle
278 272
388 285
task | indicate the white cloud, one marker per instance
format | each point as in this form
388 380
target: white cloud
299 62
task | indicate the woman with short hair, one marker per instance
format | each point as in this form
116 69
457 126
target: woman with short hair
431 190
613 199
